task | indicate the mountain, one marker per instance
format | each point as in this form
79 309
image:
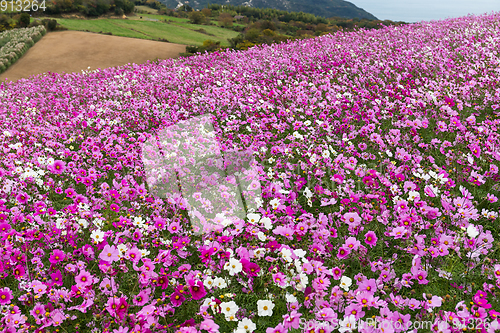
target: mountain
325 8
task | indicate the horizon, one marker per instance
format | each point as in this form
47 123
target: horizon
425 10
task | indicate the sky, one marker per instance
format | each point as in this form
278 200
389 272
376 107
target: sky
425 10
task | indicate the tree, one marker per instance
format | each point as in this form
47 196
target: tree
196 17
226 20
185 8
24 20
252 34
207 12
321 27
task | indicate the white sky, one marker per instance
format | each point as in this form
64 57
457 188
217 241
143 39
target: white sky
425 10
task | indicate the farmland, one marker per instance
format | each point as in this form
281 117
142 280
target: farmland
342 183
178 31
77 51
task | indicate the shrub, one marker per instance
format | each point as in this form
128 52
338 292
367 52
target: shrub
196 17
24 20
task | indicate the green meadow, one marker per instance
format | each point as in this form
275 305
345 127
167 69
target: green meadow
174 30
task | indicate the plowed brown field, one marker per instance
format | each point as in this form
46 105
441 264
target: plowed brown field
74 51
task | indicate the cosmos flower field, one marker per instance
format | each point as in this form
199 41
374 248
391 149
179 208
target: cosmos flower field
377 154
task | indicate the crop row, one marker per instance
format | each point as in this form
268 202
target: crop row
14 43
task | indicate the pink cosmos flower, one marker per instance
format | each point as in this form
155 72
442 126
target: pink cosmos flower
84 279
364 298
368 285
338 178
321 283
108 286
209 325
398 232
112 305
114 207
494 314
57 167
421 277
476 150
352 219
57 317
284 231
39 288
352 243
57 256
109 253
87 181
141 298
160 224
343 252
355 310
38 312
134 254
5 296
278 329
337 273
114 194
428 190
292 320
19 272
173 227
371 238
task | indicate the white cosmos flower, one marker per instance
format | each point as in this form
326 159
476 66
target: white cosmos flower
266 221
253 218
229 308
265 308
345 283
84 223
275 203
97 235
208 282
472 231
290 298
347 324
220 282
246 326
412 195
234 266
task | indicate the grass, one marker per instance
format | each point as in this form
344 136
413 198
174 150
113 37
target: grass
147 9
178 31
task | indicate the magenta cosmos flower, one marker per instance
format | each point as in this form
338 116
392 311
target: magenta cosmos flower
177 299
22 198
251 268
58 167
196 289
57 256
371 238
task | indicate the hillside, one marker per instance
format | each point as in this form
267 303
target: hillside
325 8
348 180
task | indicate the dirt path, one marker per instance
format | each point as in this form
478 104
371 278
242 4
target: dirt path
73 51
